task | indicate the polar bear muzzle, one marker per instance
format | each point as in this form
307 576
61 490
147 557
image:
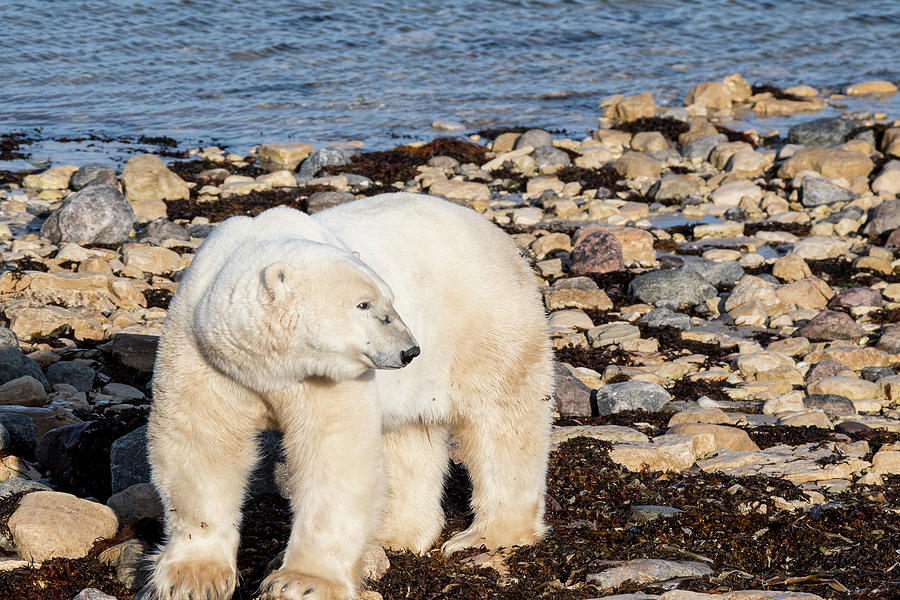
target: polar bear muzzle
391 345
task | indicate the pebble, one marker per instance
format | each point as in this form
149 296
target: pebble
672 289
645 570
572 398
827 131
274 157
818 192
54 524
93 174
598 252
146 177
830 325
92 594
631 395
725 436
636 165
833 405
670 452
24 391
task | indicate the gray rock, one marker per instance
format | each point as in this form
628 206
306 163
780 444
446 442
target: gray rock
827 131
93 594
534 138
672 288
58 447
548 156
130 561
663 317
139 501
98 214
850 212
666 155
631 395
320 201
834 405
717 273
79 376
816 192
358 183
702 147
128 464
866 135
14 364
883 218
571 397
8 337
201 230
326 157
15 485
124 393
644 513
873 374
647 570
93 175
830 325
164 229
135 350
21 432
575 283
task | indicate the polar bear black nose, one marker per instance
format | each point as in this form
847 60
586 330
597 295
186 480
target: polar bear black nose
407 355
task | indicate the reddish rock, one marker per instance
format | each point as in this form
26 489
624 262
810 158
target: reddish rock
599 252
858 296
830 325
890 339
826 368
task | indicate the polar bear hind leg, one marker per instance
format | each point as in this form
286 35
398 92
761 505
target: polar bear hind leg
416 459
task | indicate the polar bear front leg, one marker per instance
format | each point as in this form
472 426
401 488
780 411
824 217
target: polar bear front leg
200 463
506 453
415 460
332 441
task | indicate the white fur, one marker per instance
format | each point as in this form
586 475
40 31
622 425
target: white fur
293 321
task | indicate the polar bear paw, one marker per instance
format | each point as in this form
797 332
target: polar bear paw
193 580
287 584
475 537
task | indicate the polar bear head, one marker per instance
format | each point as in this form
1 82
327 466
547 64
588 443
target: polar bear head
282 311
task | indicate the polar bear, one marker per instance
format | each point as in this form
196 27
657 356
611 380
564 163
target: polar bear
369 334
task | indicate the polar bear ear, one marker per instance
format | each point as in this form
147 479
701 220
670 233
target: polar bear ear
276 280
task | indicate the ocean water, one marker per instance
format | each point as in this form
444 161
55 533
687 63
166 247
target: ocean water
238 73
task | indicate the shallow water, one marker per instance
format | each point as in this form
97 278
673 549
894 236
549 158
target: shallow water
236 73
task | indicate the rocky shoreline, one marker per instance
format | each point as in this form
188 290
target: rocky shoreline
724 306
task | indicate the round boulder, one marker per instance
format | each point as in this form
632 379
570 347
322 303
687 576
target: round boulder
672 288
98 214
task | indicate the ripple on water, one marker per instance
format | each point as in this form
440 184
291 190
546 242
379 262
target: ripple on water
195 69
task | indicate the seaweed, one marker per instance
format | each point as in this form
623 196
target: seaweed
604 177
776 92
670 128
250 204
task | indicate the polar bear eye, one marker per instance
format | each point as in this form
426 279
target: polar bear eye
363 306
